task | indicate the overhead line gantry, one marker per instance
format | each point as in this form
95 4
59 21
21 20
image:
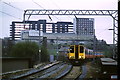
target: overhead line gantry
112 13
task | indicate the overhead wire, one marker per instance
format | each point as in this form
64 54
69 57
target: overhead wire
12 7
45 9
103 30
10 15
59 7
37 4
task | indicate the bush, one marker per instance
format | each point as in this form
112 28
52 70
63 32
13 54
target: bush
24 49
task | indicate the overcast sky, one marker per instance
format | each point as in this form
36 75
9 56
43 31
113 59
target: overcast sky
12 10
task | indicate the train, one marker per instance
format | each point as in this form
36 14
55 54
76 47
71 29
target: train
79 53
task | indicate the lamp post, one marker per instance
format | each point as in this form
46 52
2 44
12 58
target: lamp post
57 48
39 48
94 42
113 44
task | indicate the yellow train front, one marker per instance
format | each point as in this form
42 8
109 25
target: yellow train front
76 54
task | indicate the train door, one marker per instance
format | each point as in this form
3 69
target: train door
76 52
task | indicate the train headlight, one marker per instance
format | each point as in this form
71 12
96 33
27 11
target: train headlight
80 57
71 57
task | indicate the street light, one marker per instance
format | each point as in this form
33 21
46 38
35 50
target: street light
39 55
57 48
110 29
94 42
113 43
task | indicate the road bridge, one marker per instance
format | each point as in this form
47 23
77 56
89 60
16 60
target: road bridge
59 36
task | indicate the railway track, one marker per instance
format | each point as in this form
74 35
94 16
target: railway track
19 72
23 73
56 71
73 74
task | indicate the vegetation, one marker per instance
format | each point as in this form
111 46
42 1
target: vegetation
6 47
52 48
44 51
24 49
44 54
101 46
105 48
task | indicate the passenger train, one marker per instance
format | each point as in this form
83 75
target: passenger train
79 53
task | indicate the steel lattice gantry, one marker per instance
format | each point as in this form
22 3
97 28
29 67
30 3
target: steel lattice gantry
112 13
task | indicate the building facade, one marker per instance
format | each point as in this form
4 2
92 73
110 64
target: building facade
84 26
83 29
40 25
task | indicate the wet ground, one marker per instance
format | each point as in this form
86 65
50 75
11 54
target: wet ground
93 70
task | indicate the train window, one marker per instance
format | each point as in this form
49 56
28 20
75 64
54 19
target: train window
86 52
71 49
81 49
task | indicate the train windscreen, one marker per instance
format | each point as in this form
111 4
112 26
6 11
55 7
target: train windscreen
71 49
81 49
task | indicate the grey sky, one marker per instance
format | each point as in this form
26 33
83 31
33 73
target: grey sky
12 10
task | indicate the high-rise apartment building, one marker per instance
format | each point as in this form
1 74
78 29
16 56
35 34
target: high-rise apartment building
84 26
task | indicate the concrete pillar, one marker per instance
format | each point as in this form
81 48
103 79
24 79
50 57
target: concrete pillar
53 28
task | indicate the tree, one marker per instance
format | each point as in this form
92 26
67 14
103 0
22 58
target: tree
24 49
44 51
44 54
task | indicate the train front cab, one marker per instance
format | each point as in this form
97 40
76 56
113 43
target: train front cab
76 54
71 54
81 52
